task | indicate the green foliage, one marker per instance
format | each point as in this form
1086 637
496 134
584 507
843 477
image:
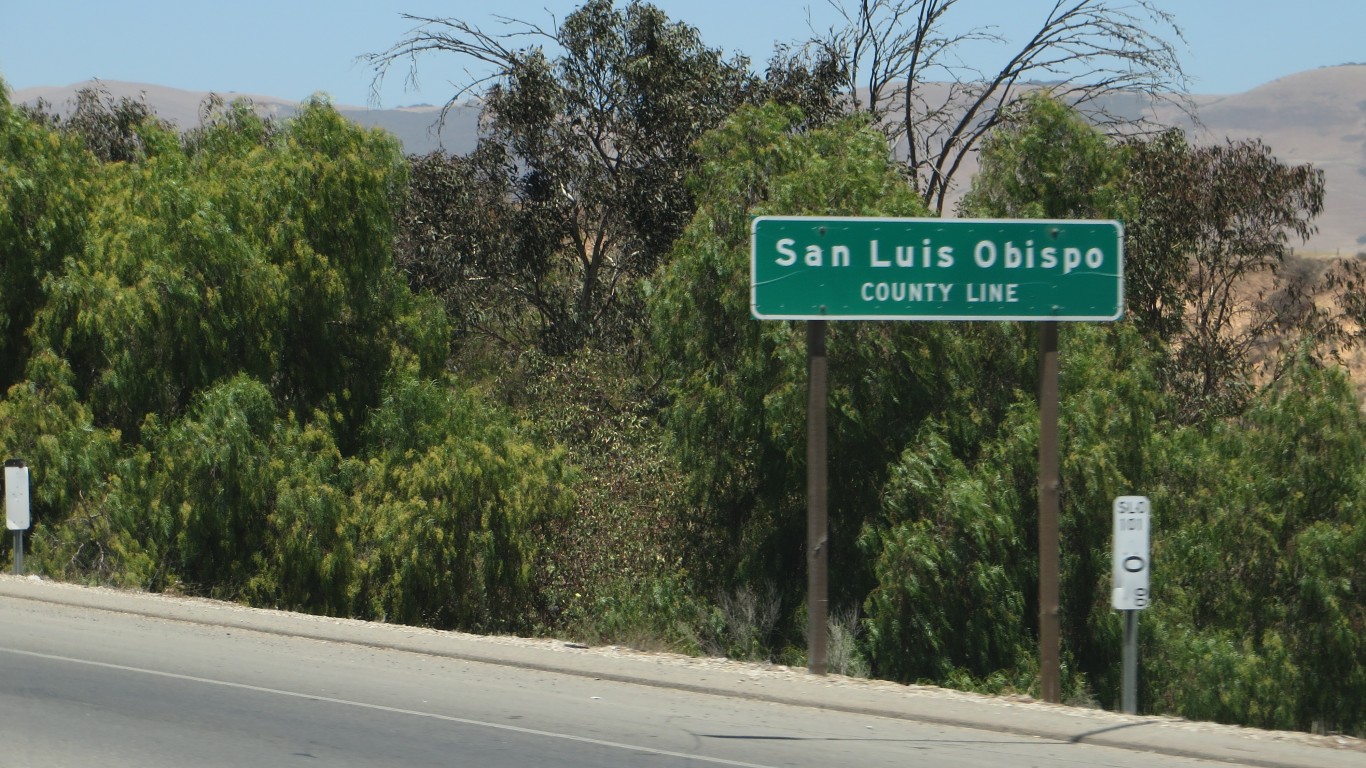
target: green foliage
737 387
951 560
577 191
211 486
457 226
212 325
231 258
1327 622
1045 162
954 549
44 203
157 306
1245 495
1269 507
629 527
113 130
343 290
1228 676
223 386
581 173
1111 413
1202 222
309 560
454 498
661 613
71 463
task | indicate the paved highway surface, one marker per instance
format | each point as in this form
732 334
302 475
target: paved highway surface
82 686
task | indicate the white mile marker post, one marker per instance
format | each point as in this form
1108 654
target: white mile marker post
1133 523
16 507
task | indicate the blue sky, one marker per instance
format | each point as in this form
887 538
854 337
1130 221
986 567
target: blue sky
293 48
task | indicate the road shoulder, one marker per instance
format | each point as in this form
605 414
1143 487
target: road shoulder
1016 715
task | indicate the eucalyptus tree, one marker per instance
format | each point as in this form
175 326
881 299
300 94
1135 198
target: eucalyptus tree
1044 160
736 387
1202 223
577 190
111 128
1263 515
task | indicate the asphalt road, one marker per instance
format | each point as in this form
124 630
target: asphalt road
81 686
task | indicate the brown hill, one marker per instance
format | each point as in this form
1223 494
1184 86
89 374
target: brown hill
1315 117
1318 117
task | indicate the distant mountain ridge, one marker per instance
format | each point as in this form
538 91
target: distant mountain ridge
1317 116
414 126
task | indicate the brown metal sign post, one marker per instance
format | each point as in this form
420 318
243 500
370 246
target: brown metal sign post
1050 684
817 534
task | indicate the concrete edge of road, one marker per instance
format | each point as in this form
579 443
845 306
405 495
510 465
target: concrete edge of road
1014 715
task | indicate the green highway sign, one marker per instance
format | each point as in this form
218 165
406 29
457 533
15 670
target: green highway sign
811 268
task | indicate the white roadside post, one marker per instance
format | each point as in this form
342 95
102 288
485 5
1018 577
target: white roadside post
1133 522
16 507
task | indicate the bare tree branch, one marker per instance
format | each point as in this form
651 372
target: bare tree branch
453 36
1103 57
